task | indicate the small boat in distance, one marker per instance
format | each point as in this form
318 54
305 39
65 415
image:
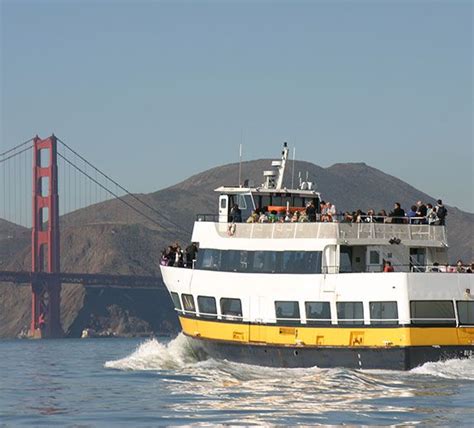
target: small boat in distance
286 293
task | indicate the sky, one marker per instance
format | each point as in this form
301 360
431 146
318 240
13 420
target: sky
155 91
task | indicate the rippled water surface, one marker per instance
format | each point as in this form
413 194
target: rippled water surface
110 382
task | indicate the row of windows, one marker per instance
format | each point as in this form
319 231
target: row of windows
230 308
259 261
348 313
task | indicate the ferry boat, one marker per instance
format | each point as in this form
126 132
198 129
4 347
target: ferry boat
303 294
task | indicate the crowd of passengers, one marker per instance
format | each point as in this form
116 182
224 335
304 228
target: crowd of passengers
174 255
419 213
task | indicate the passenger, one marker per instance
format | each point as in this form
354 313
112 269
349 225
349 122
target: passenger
431 217
164 257
435 267
253 218
273 217
191 252
382 216
331 211
397 214
303 217
235 214
421 210
347 217
387 266
287 218
263 218
470 268
441 212
459 267
171 255
179 257
311 212
412 214
295 217
359 216
370 218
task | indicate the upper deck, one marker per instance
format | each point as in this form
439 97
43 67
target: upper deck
342 233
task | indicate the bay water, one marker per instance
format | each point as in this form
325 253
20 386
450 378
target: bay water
153 382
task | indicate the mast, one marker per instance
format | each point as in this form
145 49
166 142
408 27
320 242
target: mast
281 166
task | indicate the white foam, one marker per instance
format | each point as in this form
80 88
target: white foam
153 355
449 369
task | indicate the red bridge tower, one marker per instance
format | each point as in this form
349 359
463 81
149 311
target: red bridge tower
45 313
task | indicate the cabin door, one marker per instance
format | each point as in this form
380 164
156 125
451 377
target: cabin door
417 259
223 208
374 260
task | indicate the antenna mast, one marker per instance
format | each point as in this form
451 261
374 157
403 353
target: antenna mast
240 165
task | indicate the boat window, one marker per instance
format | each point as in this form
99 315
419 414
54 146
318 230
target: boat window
188 303
207 307
383 313
209 259
176 301
302 262
277 201
231 308
350 313
223 203
345 259
241 202
318 313
374 257
287 311
426 312
466 312
297 202
265 201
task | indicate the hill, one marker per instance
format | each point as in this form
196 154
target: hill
110 238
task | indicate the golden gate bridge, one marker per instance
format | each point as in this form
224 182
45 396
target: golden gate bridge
56 170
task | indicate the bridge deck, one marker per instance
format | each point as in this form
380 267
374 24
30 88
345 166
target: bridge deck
86 279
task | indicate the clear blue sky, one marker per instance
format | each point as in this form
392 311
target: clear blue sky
153 92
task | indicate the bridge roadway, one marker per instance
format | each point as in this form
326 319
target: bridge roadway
86 279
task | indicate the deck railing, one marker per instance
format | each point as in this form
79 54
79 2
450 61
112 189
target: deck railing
332 230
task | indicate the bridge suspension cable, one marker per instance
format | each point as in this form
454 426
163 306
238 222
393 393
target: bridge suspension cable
122 188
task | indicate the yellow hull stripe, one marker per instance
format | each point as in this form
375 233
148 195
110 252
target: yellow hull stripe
321 336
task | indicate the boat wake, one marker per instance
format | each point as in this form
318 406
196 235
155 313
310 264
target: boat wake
178 355
450 369
153 355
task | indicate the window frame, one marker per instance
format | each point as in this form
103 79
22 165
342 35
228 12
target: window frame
184 296
318 321
208 315
290 319
469 303
384 321
350 321
174 295
449 322
228 316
